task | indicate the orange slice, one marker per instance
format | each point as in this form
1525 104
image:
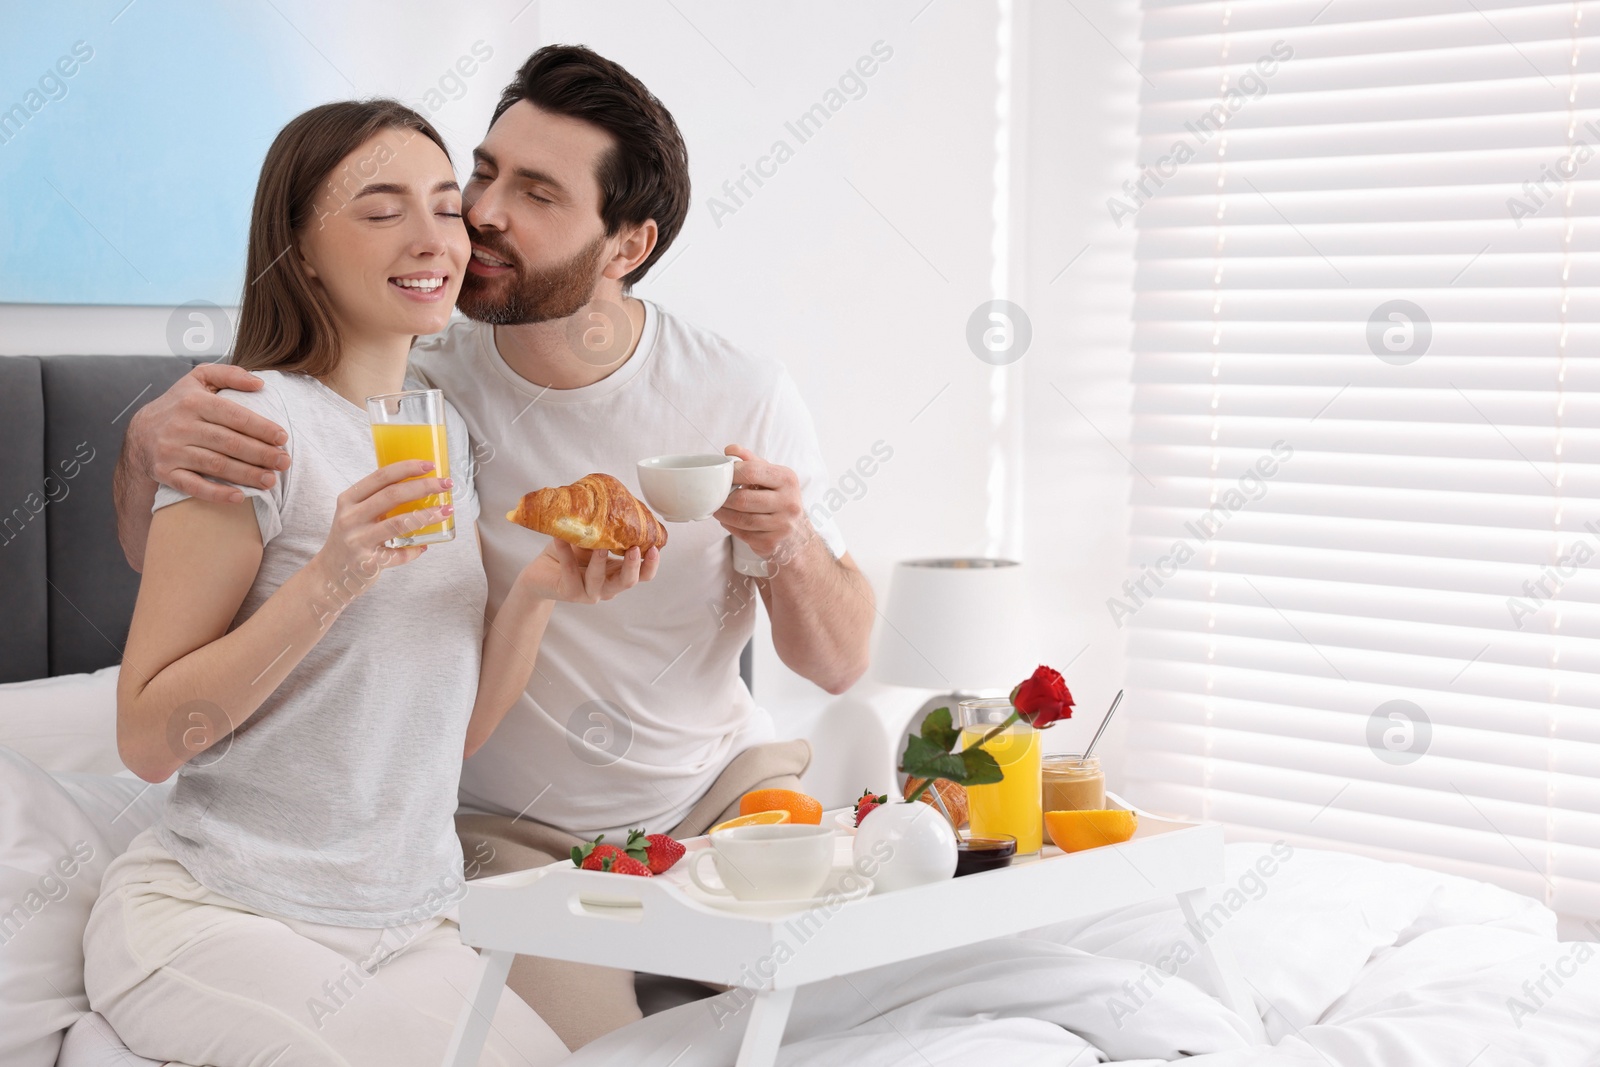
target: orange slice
1074 831
759 818
801 808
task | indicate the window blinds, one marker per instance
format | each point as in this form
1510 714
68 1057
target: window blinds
1364 597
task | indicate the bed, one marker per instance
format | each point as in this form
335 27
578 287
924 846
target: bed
1352 962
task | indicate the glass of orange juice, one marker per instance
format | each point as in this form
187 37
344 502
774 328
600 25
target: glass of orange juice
410 425
1012 805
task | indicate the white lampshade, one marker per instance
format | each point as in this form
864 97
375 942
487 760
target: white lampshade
955 625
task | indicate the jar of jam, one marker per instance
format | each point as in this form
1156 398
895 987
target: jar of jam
1072 783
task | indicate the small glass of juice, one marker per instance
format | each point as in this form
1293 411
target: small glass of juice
410 425
1010 807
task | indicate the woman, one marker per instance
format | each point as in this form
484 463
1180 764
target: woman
314 690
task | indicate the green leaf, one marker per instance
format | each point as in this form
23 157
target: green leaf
928 754
937 729
924 759
919 753
979 767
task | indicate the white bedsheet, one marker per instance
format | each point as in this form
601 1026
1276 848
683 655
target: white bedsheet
1353 963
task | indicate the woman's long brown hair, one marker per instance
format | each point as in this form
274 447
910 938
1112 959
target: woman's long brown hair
285 320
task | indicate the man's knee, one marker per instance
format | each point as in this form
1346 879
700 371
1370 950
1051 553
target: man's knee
493 844
580 1001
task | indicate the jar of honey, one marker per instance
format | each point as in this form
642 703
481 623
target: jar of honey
1072 783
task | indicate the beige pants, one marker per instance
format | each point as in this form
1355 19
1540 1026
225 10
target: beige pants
581 1001
188 975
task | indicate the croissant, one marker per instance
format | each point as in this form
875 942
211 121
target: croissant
596 511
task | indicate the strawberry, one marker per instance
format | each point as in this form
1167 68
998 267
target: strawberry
867 802
659 851
591 854
598 855
622 863
601 853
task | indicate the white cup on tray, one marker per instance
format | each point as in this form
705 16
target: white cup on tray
782 862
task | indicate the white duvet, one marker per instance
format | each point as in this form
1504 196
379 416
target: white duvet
1352 963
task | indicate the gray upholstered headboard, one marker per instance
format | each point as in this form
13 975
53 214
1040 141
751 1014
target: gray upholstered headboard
66 593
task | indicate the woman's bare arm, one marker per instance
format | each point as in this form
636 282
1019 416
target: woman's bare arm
511 639
186 681
510 646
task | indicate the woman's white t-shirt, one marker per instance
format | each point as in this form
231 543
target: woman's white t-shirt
335 802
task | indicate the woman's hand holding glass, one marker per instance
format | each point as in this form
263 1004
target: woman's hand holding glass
356 551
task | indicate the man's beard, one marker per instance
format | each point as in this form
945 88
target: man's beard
527 296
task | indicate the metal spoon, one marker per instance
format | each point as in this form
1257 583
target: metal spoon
1109 712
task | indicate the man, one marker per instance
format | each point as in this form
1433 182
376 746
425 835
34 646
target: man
636 715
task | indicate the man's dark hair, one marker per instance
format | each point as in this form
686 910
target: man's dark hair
646 174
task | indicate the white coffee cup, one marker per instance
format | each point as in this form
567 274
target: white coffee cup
686 488
783 862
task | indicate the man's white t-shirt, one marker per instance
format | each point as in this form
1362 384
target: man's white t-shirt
635 705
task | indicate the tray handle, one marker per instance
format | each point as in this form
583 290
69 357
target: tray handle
1125 806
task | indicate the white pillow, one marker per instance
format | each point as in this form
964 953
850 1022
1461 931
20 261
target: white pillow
64 724
52 857
118 807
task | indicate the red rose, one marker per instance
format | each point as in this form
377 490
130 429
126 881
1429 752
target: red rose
1043 698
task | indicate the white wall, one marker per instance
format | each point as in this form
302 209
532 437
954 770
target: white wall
1078 290
859 262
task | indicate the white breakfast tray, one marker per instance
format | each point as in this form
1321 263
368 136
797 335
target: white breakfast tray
541 912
